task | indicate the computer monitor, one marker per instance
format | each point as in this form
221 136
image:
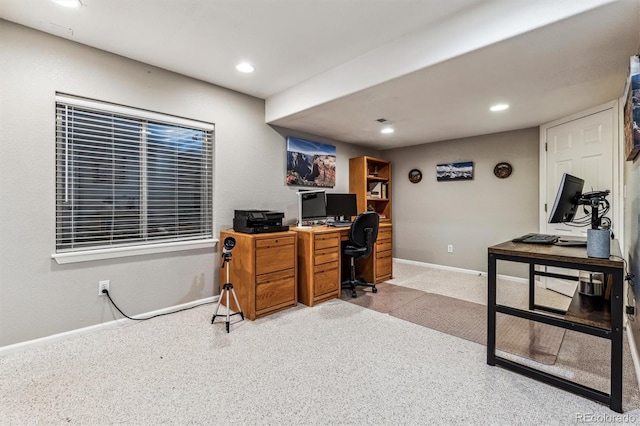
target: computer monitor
342 205
314 204
567 199
311 205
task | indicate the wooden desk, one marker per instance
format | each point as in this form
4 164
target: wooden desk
320 261
263 271
580 317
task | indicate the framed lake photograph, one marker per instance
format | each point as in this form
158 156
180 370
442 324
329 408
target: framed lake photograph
310 163
454 171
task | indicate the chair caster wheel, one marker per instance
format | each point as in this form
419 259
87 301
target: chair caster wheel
374 290
353 293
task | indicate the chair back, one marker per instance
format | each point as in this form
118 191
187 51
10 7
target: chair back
364 230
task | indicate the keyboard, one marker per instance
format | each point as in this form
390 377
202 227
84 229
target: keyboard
340 224
536 239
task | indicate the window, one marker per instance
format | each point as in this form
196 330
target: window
127 177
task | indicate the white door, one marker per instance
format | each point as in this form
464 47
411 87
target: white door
582 147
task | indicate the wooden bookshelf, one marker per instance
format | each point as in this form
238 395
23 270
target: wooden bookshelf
370 180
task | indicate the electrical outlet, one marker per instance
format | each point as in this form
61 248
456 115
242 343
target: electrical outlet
449 248
103 285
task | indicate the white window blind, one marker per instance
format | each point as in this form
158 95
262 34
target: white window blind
128 177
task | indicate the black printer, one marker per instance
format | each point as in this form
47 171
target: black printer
258 221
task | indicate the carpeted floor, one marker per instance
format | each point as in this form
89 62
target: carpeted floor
455 303
467 320
335 363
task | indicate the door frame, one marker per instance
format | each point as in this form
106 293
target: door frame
617 170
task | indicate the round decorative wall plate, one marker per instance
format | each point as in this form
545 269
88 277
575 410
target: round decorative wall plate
415 176
502 170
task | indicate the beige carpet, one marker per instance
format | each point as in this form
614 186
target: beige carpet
464 319
333 364
467 320
583 359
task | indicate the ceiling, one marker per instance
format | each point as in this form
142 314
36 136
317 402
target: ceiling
331 68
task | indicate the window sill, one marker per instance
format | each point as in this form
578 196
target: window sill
111 253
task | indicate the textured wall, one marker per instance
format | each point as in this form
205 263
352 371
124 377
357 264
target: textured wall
38 297
470 215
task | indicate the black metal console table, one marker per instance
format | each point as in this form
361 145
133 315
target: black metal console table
603 321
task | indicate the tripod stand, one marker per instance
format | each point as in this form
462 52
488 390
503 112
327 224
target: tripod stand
227 288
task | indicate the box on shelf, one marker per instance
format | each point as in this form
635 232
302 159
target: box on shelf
375 189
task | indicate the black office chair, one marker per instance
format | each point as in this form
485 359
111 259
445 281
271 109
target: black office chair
362 236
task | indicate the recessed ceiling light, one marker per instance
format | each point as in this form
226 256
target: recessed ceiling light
68 3
499 107
387 130
245 67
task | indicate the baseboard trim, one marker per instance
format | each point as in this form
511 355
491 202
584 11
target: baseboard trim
464 271
6 350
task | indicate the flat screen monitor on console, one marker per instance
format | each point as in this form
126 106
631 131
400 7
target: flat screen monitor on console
311 205
567 199
342 206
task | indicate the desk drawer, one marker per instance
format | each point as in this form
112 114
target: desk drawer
384 262
383 245
326 255
326 279
276 258
274 242
276 291
384 234
274 276
327 240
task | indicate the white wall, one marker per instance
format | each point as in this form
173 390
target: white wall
632 235
38 297
470 215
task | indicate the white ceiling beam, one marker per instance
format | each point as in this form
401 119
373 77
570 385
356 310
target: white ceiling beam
465 32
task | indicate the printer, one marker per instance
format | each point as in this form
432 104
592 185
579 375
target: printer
258 221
